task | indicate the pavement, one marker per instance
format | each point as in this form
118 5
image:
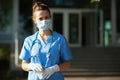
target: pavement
93 78
90 78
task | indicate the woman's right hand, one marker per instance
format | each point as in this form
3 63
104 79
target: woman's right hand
36 67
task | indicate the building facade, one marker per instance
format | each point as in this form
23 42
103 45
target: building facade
91 28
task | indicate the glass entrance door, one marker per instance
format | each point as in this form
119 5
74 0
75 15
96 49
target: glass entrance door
91 28
81 27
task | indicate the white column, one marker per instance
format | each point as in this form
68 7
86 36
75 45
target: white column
66 25
113 19
101 28
14 55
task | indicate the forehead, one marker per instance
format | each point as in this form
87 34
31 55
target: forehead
42 13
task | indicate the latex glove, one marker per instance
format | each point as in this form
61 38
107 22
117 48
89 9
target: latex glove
36 67
40 75
49 71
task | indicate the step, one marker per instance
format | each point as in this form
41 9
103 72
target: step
81 72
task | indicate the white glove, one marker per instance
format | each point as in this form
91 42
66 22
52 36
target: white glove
36 67
50 70
40 75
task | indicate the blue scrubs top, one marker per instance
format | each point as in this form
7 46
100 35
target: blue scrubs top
35 50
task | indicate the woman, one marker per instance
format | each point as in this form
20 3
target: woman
46 53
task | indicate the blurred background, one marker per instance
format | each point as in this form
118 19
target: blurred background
90 26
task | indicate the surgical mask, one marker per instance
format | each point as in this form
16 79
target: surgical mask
44 24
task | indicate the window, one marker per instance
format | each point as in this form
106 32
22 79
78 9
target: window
57 22
6 16
73 28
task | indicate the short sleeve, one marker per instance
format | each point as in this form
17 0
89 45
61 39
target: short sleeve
25 51
65 50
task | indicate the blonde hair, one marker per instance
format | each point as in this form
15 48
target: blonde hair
39 6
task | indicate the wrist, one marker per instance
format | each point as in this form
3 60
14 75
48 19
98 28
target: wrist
55 68
29 66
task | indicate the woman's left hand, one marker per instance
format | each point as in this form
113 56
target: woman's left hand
51 70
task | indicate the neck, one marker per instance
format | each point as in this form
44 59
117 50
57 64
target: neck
45 32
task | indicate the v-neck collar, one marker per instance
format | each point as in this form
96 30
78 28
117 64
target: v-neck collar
48 40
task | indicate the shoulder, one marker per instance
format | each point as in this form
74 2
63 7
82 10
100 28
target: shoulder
59 36
31 38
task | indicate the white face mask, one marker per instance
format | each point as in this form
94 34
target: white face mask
44 24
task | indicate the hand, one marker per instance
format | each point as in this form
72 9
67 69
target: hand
49 71
36 67
40 75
